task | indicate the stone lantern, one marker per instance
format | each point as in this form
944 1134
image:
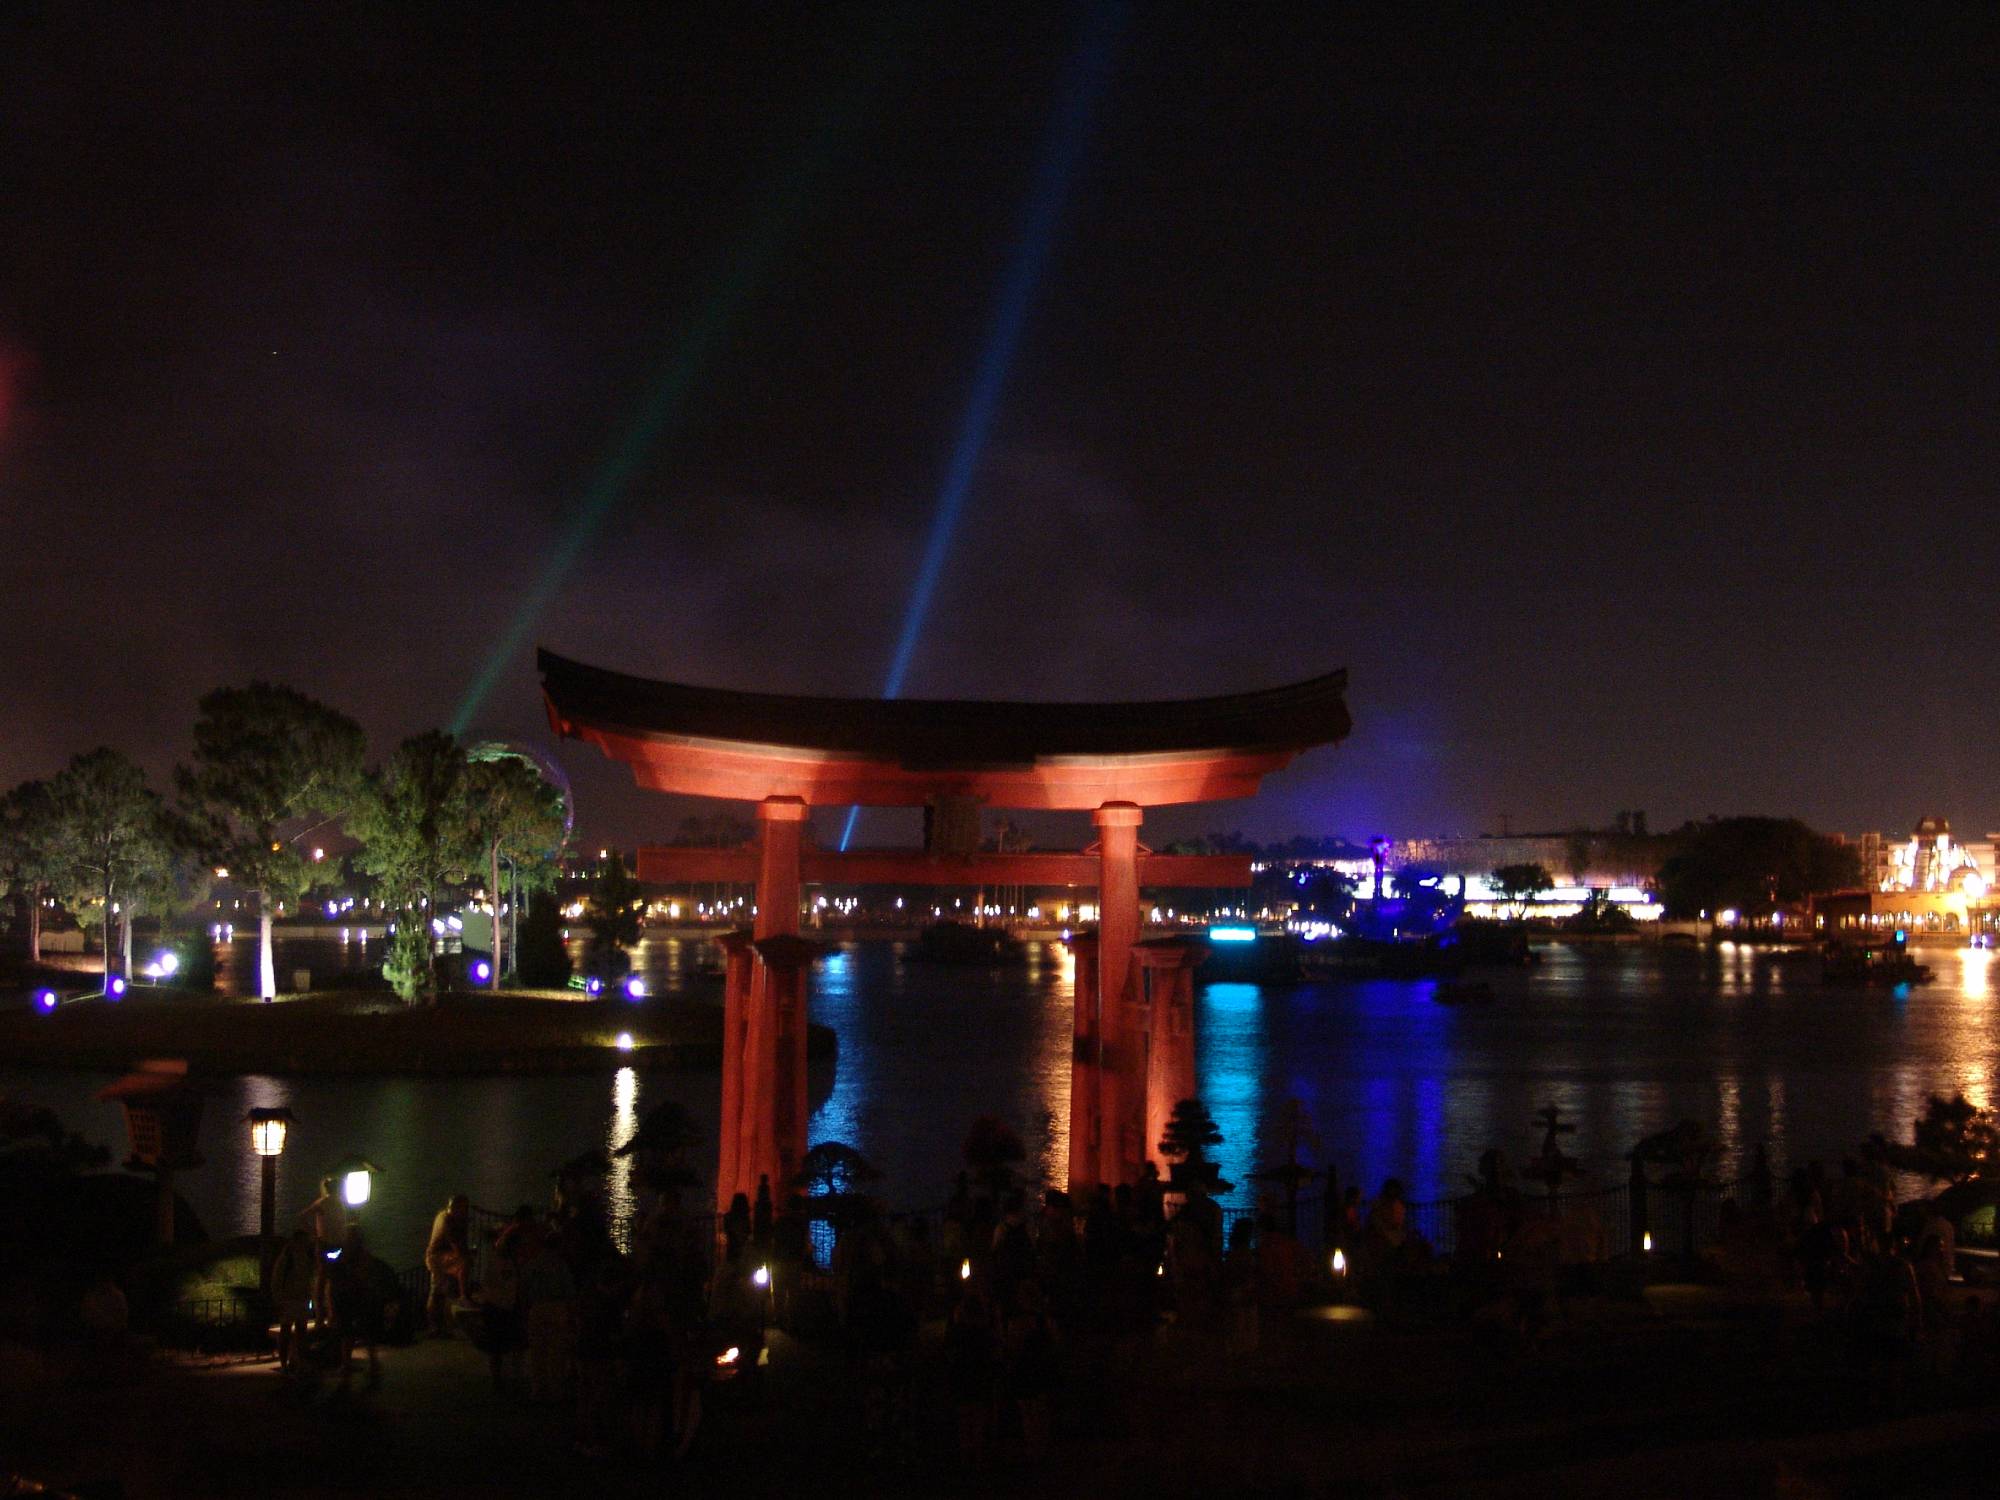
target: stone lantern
162 1121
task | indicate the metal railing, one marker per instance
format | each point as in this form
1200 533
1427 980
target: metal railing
1681 1221
243 1316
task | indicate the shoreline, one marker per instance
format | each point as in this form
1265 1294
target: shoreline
355 1033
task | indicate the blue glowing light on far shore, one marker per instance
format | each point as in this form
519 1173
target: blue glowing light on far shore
1232 934
1062 147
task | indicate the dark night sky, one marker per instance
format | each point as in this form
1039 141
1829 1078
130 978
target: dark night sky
1617 404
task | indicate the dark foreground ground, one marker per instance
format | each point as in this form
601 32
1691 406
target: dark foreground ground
1676 1394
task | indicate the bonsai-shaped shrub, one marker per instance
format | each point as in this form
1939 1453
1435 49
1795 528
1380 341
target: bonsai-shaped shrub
831 1175
408 965
1951 1141
1185 1141
663 1133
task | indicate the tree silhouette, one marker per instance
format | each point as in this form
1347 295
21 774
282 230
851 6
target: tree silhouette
663 1134
612 915
1753 864
28 864
266 757
517 816
415 820
109 838
832 1176
1951 1141
1520 883
543 959
1189 1132
1185 1141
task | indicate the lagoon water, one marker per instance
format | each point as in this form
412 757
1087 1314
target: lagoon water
1626 1039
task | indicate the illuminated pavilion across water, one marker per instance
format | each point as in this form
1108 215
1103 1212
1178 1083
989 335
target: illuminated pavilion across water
1134 1054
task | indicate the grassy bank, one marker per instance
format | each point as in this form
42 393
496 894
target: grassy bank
370 1032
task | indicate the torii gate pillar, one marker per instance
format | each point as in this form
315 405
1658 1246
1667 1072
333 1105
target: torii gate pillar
1121 1041
738 959
783 962
1168 966
764 1020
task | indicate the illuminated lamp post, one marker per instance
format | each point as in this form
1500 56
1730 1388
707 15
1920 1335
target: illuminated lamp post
354 1180
268 1128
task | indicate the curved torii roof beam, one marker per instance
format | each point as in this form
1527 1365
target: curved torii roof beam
714 742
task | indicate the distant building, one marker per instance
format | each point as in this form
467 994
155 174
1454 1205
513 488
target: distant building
1592 860
1619 867
1926 882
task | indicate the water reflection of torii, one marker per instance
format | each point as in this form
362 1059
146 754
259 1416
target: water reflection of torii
1134 1023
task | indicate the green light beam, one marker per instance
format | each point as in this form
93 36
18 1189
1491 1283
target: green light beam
670 392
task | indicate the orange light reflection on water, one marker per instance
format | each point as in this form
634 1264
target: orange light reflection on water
1976 970
1055 1051
1973 1044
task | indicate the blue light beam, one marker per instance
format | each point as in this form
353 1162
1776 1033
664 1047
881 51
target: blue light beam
1082 85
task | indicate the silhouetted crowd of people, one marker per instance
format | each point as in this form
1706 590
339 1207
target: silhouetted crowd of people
630 1342
1883 1272
1021 1305
1034 1295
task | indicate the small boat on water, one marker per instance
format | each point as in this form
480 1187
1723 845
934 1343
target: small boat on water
1244 955
1362 958
1464 992
962 944
1846 966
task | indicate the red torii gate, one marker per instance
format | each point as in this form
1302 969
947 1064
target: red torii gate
1134 1054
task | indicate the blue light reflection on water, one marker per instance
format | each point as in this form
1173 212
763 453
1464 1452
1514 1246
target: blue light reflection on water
835 1003
1626 1040
925 1048
1231 1064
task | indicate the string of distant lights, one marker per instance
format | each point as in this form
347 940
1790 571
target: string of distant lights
1062 147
